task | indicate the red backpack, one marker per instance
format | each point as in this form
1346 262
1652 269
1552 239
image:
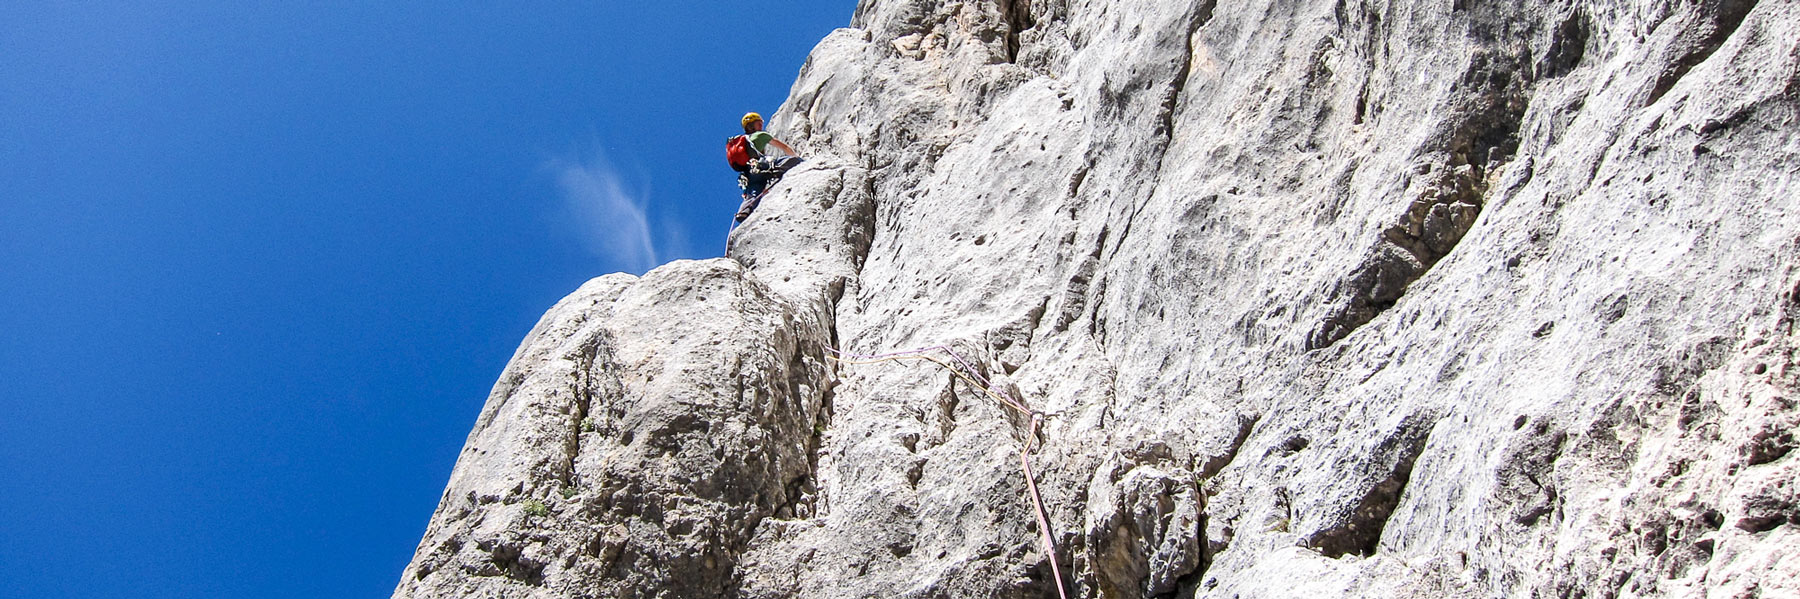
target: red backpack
739 152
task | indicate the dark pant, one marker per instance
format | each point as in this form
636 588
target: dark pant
763 171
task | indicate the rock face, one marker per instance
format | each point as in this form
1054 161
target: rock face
1343 298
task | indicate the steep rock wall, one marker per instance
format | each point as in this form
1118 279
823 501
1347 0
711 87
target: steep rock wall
1337 298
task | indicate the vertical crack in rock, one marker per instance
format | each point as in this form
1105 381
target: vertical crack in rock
1358 530
945 417
1075 180
1715 20
1448 190
1163 135
1125 231
807 377
812 106
1074 297
1017 14
862 238
1171 100
1568 46
579 422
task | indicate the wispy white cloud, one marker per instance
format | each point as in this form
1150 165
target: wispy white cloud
609 216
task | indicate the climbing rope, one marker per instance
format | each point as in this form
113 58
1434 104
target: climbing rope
972 375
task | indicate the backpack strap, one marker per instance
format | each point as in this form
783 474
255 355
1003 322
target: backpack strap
751 145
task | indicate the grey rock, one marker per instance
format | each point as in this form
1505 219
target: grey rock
1316 299
640 435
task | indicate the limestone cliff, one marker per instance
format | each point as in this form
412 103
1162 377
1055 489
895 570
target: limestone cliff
1346 298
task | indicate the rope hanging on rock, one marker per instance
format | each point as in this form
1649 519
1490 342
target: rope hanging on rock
971 375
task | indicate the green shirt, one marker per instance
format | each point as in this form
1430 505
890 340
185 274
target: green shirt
760 140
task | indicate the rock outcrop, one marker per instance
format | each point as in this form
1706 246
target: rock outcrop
1343 298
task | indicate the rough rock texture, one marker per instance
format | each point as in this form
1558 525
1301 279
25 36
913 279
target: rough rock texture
1335 298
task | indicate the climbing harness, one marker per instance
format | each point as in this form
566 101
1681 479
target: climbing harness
971 375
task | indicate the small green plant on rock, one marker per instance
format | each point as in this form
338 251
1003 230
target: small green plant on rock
568 492
536 508
587 424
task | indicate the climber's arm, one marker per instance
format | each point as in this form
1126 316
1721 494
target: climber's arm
783 147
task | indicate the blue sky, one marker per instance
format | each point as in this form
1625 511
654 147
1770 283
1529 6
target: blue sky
261 262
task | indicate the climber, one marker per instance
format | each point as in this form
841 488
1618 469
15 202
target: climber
756 170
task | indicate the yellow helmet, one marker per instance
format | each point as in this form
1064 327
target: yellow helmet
751 118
